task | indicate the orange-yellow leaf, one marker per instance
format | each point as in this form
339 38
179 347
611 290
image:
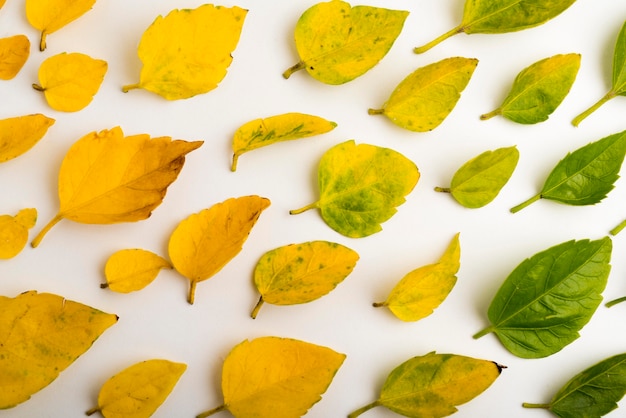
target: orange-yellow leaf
2 3
206 241
19 134
14 52
133 269
14 232
109 178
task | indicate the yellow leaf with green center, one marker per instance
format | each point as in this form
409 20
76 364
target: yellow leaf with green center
301 273
187 52
338 43
361 186
133 269
14 232
42 334
48 16
20 134
14 52
426 97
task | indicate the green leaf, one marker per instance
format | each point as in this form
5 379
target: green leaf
592 393
426 97
539 89
338 43
619 77
585 176
360 187
479 180
549 297
433 385
501 16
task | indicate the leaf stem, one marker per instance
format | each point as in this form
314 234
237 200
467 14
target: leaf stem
375 111
297 67
443 189
129 87
618 228
303 209
576 121
364 409
536 405
491 114
211 412
233 166
379 304
426 47
525 203
37 240
192 291
257 307
615 301
484 332
92 411
42 41
38 87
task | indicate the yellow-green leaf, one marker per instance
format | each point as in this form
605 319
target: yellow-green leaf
69 81
361 186
139 390
41 334
286 127
338 43
108 178
421 291
188 52
133 269
14 232
48 16
273 377
14 52
301 273
202 244
19 134
426 97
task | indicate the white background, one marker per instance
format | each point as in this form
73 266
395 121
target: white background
157 322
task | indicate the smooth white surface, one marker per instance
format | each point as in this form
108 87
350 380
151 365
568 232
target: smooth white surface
157 322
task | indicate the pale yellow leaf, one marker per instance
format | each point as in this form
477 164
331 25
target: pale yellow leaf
133 269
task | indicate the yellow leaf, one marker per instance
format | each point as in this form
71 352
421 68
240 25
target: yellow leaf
48 16
286 127
273 377
19 134
2 3
139 390
134 269
14 52
41 334
202 244
108 178
187 52
14 232
421 291
300 273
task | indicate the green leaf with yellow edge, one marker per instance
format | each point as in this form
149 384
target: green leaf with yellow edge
276 377
108 178
301 273
539 89
286 127
421 291
426 97
187 52
479 180
203 243
20 134
48 16
139 390
361 186
69 81
433 385
132 269
338 43
14 52
42 334
14 232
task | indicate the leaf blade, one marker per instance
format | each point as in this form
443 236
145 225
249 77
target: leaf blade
48 16
132 269
20 134
14 52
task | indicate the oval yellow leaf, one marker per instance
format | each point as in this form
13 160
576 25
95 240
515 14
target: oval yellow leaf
187 52
139 390
300 273
14 232
19 134
14 52
41 334
286 127
276 377
202 244
69 81
48 16
109 178
133 269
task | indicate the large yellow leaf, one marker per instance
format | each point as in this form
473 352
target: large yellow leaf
19 134
108 178
51 15
273 377
206 241
69 81
300 273
132 269
14 231
41 334
424 289
14 52
187 52
139 390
